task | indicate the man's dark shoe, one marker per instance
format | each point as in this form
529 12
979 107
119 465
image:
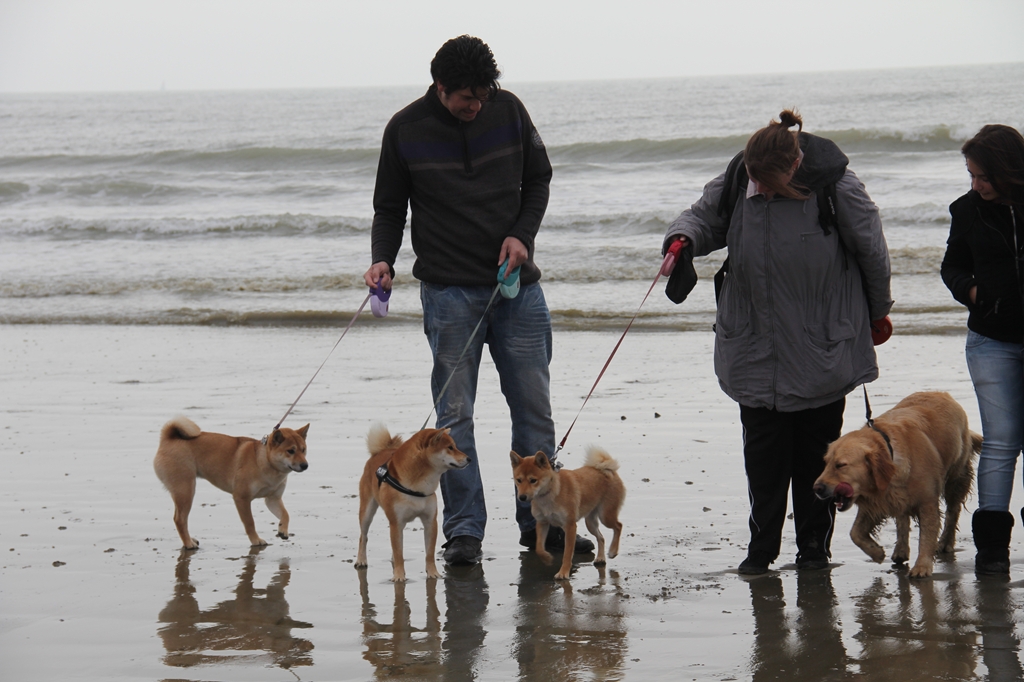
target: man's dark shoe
555 541
463 550
756 563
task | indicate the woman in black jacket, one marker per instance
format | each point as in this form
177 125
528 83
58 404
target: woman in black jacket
983 270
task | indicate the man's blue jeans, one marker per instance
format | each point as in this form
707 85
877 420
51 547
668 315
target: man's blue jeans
997 370
518 334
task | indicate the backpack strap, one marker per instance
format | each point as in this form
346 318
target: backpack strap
828 216
736 181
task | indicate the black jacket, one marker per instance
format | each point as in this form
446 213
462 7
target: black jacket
470 185
981 250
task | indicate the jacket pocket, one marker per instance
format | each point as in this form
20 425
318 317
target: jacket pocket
733 318
828 357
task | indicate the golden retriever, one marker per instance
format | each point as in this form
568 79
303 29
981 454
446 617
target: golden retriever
932 456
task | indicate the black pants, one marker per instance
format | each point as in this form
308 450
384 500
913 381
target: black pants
784 447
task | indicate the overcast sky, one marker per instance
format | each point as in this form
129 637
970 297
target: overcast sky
104 45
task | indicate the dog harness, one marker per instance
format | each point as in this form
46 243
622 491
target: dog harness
871 423
384 476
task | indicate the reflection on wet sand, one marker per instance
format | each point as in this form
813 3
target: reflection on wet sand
397 648
254 621
906 629
450 653
1000 644
921 626
803 645
567 635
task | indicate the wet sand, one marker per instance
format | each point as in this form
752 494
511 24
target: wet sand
93 585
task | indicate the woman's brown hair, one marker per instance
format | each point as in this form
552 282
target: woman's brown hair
772 151
999 151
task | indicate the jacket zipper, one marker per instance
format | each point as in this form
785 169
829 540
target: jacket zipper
1014 251
466 162
771 308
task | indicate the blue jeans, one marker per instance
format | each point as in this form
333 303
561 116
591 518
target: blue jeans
518 334
997 370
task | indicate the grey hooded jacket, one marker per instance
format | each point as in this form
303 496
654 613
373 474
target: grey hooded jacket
793 325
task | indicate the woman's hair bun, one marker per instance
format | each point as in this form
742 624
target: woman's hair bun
790 118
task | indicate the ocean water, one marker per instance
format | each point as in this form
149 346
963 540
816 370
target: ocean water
254 207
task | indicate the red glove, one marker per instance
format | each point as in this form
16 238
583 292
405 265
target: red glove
881 330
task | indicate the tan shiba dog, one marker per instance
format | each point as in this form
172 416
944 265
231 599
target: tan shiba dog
245 467
561 498
932 456
402 477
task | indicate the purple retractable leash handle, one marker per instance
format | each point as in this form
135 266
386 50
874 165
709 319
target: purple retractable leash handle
379 301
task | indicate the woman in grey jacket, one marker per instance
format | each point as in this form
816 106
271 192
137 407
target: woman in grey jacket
793 331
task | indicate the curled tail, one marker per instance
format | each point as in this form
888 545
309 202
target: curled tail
380 439
179 428
598 459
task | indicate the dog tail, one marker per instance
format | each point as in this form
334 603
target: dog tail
180 428
380 439
598 459
976 440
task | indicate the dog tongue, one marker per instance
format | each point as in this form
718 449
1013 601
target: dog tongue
844 490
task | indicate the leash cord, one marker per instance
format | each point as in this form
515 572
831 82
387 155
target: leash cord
444 388
871 423
351 322
609 361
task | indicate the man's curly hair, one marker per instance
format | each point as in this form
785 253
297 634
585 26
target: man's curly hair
465 62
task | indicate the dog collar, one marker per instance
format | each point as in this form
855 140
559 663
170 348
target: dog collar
384 476
871 423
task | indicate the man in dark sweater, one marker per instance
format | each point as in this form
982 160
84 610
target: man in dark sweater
469 162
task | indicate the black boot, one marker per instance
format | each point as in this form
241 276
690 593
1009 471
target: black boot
992 538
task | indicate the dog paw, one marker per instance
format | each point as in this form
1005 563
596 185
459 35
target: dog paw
545 556
283 536
396 578
920 571
435 574
600 562
877 554
260 542
562 575
194 545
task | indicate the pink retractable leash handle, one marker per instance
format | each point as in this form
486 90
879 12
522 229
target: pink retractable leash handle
669 264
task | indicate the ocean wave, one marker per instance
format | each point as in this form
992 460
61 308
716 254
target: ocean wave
279 225
240 159
854 140
927 320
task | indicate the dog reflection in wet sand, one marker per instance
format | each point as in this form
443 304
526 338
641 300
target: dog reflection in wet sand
899 467
561 498
254 621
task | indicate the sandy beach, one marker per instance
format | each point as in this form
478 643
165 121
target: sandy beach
93 585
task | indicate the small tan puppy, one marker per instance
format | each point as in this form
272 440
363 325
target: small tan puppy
932 456
561 498
245 467
402 477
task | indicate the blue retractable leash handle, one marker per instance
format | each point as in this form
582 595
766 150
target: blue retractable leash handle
379 301
508 285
